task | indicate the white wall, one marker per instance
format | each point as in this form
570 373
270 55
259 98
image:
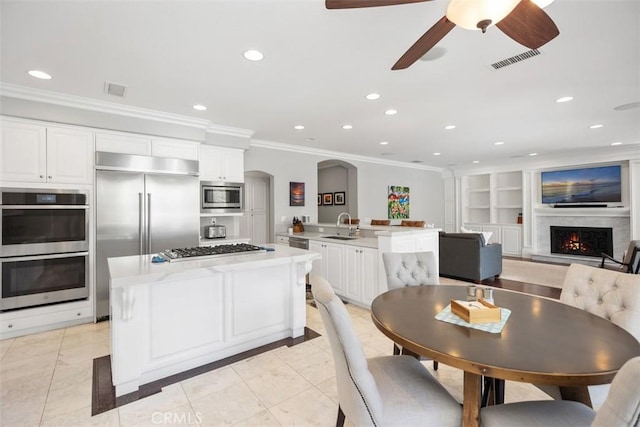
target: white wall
426 186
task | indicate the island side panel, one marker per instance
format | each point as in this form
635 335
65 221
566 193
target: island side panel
199 316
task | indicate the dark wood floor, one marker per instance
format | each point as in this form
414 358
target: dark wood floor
529 288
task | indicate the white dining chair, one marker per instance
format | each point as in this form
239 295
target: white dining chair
620 409
610 294
386 390
410 269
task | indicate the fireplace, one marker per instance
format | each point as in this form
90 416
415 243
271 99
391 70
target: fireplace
584 241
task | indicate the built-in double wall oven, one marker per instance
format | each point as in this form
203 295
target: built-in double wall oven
44 255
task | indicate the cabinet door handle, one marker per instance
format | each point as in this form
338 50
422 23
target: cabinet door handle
10 325
50 177
41 176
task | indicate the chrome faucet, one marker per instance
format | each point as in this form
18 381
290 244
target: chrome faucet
338 223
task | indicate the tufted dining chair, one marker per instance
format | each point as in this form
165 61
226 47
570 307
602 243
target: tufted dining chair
610 294
620 409
380 391
410 269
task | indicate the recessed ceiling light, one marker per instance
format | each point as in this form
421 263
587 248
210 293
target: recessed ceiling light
476 161
253 55
199 107
595 126
533 154
373 96
391 112
449 127
436 154
616 143
564 99
39 74
298 127
384 143
499 143
347 127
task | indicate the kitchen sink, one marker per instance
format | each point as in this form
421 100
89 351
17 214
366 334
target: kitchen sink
340 237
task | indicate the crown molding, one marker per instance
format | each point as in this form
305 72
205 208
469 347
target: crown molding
337 155
57 98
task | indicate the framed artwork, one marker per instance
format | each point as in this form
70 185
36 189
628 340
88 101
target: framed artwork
319 199
398 202
327 199
338 198
296 194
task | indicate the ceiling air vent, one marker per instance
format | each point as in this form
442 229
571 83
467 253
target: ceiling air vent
521 57
115 89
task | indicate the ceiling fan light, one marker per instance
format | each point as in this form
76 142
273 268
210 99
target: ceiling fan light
542 3
468 13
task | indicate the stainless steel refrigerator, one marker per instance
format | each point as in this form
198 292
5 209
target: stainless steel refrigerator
143 205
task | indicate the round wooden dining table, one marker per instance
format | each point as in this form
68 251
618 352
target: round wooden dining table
543 341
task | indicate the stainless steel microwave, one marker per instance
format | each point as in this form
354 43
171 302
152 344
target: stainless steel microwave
221 197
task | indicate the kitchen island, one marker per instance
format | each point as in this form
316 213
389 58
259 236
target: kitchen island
170 317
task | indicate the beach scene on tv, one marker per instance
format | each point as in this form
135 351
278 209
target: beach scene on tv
587 185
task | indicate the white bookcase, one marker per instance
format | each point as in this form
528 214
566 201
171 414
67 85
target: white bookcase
493 202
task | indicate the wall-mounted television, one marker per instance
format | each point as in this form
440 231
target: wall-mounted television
597 185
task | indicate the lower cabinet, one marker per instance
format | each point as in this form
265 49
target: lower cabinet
361 274
352 271
509 236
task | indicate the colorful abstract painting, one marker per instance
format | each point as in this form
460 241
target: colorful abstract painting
398 202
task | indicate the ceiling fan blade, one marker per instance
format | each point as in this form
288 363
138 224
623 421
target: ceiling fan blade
529 25
424 43
349 4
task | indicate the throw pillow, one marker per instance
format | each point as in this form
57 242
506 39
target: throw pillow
485 234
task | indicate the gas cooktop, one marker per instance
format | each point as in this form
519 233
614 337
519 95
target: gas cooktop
184 254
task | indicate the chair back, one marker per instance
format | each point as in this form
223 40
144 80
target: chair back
609 294
632 258
622 407
358 393
407 223
410 269
380 222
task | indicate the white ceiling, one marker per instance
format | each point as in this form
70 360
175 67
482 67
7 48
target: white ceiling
319 65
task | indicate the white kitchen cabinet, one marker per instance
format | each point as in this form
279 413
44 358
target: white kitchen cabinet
221 164
123 143
143 145
361 278
508 235
36 153
331 266
175 149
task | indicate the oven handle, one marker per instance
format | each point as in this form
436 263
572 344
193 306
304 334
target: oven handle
37 207
38 257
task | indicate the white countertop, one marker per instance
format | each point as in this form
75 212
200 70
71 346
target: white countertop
138 269
367 242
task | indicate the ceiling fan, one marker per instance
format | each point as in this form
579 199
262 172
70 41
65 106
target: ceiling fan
522 20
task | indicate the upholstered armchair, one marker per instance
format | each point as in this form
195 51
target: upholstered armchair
630 263
467 256
386 390
612 295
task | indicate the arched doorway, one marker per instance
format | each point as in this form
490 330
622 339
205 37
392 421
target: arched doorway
337 178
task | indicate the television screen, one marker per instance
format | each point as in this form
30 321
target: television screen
586 185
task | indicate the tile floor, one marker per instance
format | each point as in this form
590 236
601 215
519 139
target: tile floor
46 380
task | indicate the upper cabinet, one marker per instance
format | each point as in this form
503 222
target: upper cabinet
221 164
37 153
146 146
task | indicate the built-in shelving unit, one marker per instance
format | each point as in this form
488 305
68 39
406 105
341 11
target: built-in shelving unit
493 202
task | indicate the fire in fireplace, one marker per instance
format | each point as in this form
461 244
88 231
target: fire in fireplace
584 241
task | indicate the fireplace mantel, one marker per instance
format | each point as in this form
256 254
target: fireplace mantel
582 212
